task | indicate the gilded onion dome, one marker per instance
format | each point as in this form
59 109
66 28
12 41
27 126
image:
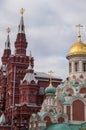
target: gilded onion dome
78 48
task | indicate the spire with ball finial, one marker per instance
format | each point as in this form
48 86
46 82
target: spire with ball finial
21 43
7 43
21 26
22 11
7 50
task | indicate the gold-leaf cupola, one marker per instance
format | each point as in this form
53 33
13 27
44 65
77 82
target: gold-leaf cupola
78 48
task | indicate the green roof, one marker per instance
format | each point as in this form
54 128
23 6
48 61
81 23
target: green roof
67 102
58 127
61 97
61 86
50 90
41 114
63 126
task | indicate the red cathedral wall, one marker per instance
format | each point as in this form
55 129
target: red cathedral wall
3 127
78 110
68 112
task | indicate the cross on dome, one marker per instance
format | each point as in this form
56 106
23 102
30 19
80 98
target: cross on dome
79 26
50 72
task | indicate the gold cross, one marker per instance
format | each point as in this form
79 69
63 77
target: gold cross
78 26
50 72
8 30
22 11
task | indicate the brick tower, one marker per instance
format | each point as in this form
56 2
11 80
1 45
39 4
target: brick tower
21 88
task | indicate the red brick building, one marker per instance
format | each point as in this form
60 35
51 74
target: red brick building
21 89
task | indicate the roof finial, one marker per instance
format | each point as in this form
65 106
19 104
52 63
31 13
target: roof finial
7 43
22 11
78 26
50 72
30 54
8 30
30 57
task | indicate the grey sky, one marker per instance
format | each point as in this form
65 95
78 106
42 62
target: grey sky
50 29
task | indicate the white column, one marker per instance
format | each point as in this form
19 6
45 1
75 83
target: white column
71 116
73 67
48 101
80 66
51 101
65 111
85 112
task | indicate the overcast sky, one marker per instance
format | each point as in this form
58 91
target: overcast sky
50 29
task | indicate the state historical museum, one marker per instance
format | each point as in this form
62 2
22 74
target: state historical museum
22 90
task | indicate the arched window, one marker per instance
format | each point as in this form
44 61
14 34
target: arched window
70 90
48 120
83 90
69 67
76 66
61 120
31 98
51 110
84 66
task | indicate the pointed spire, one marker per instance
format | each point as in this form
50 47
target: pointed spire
30 54
30 66
21 43
30 57
79 34
2 119
21 25
7 43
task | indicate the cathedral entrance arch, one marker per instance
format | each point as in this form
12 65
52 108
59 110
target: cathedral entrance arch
61 120
48 120
78 110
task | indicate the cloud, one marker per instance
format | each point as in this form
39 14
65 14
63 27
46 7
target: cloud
54 63
50 29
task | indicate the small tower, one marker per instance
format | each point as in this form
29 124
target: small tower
29 86
50 92
21 43
77 59
7 50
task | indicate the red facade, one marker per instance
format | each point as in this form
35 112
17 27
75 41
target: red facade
18 100
78 110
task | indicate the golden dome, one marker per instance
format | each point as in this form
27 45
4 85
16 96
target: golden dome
78 48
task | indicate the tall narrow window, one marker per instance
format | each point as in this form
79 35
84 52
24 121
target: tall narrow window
69 67
31 98
76 66
84 66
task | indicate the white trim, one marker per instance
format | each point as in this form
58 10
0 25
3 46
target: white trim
65 109
71 115
85 112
